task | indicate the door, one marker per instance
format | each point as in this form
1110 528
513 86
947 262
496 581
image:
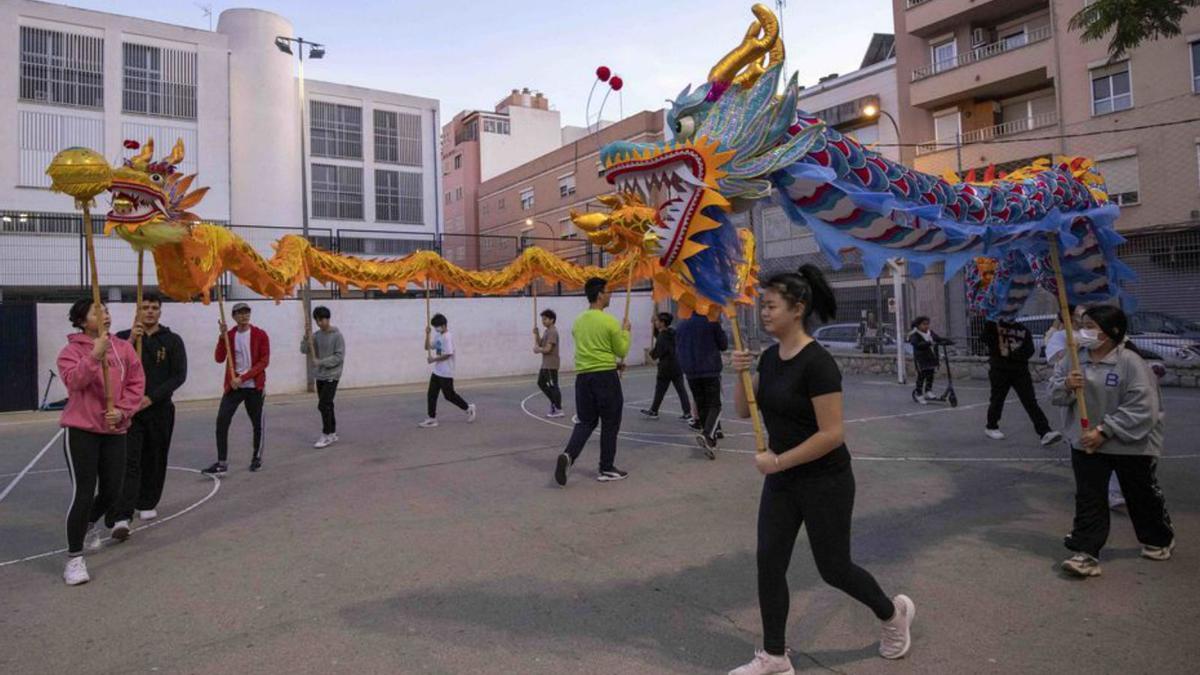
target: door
18 357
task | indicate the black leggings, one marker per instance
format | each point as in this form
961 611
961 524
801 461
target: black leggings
253 398
548 383
92 458
147 445
925 380
664 382
445 385
326 390
707 392
823 504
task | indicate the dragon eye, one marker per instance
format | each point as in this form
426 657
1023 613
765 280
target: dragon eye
685 126
156 177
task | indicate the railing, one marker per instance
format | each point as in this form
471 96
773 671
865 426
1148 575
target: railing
983 52
909 4
986 134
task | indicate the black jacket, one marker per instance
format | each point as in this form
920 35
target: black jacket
664 352
164 360
924 355
1010 344
699 343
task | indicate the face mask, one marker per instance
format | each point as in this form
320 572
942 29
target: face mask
1088 337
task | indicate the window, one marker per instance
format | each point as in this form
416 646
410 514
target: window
500 204
1026 114
866 136
566 186
495 126
458 194
62 68
1195 48
458 161
337 192
335 130
42 133
1121 179
398 197
947 129
599 169
1111 90
398 138
447 197
1016 37
944 55
159 81
527 199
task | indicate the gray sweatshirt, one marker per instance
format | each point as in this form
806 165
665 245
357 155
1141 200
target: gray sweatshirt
1122 394
331 352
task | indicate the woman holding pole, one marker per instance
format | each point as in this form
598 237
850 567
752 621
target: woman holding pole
95 366
809 480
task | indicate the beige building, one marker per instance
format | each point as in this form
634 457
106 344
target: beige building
534 200
1001 82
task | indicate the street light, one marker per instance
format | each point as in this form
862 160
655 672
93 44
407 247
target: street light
315 51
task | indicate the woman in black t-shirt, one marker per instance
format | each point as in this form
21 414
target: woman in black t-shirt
808 476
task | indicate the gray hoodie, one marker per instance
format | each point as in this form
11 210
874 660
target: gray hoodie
331 352
1122 394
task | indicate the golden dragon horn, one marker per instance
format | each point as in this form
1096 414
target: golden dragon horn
176 155
140 160
749 60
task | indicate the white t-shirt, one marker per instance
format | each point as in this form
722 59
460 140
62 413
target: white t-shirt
1056 346
443 344
241 353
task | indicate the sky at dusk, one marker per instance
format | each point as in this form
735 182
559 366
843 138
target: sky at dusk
469 55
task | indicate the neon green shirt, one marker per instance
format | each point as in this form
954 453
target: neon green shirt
599 342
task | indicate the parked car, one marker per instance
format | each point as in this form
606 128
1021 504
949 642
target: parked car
1180 346
842 338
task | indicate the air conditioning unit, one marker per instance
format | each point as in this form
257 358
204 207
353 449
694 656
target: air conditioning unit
979 37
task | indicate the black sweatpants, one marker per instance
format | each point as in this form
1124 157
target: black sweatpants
148 443
548 383
326 390
598 400
925 380
823 504
253 398
1021 381
664 382
92 459
1138 475
445 385
707 393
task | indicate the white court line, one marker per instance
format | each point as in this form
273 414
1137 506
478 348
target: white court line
154 523
29 466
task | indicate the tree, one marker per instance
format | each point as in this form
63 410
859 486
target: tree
1131 22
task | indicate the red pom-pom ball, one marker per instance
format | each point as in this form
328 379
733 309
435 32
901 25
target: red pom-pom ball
616 83
132 145
603 73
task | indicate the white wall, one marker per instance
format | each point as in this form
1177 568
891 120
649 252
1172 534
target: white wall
875 80
533 133
384 339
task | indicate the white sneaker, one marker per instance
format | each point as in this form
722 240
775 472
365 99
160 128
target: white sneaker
766 664
470 413
324 441
1051 437
429 423
921 399
574 419
1158 552
1081 565
897 636
75 572
334 438
149 514
554 413
994 434
1115 500
120 530
94 539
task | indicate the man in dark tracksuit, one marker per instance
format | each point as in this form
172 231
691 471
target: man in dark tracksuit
698 345
669 373
1010 345
164 360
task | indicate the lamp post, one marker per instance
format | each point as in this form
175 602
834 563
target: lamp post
315 51
872 110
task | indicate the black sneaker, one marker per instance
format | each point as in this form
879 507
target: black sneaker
695 425
649 413
719 434
611 475
561 468
686 417
216 469
255 464
708 445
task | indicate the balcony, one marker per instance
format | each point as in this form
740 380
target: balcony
926 18
988 134
993 70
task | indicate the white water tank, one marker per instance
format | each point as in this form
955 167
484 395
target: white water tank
264 160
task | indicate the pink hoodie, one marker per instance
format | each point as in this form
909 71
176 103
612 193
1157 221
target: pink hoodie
80 372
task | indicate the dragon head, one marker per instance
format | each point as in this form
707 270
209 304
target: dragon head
150 200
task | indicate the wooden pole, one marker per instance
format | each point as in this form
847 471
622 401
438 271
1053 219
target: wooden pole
1065 310
629 289
428 318
225 332
533 288
137 315
91 253
760 441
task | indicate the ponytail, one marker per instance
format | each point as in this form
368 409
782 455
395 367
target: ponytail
806 286
1113 323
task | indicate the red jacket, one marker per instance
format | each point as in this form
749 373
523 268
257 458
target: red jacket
260 356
